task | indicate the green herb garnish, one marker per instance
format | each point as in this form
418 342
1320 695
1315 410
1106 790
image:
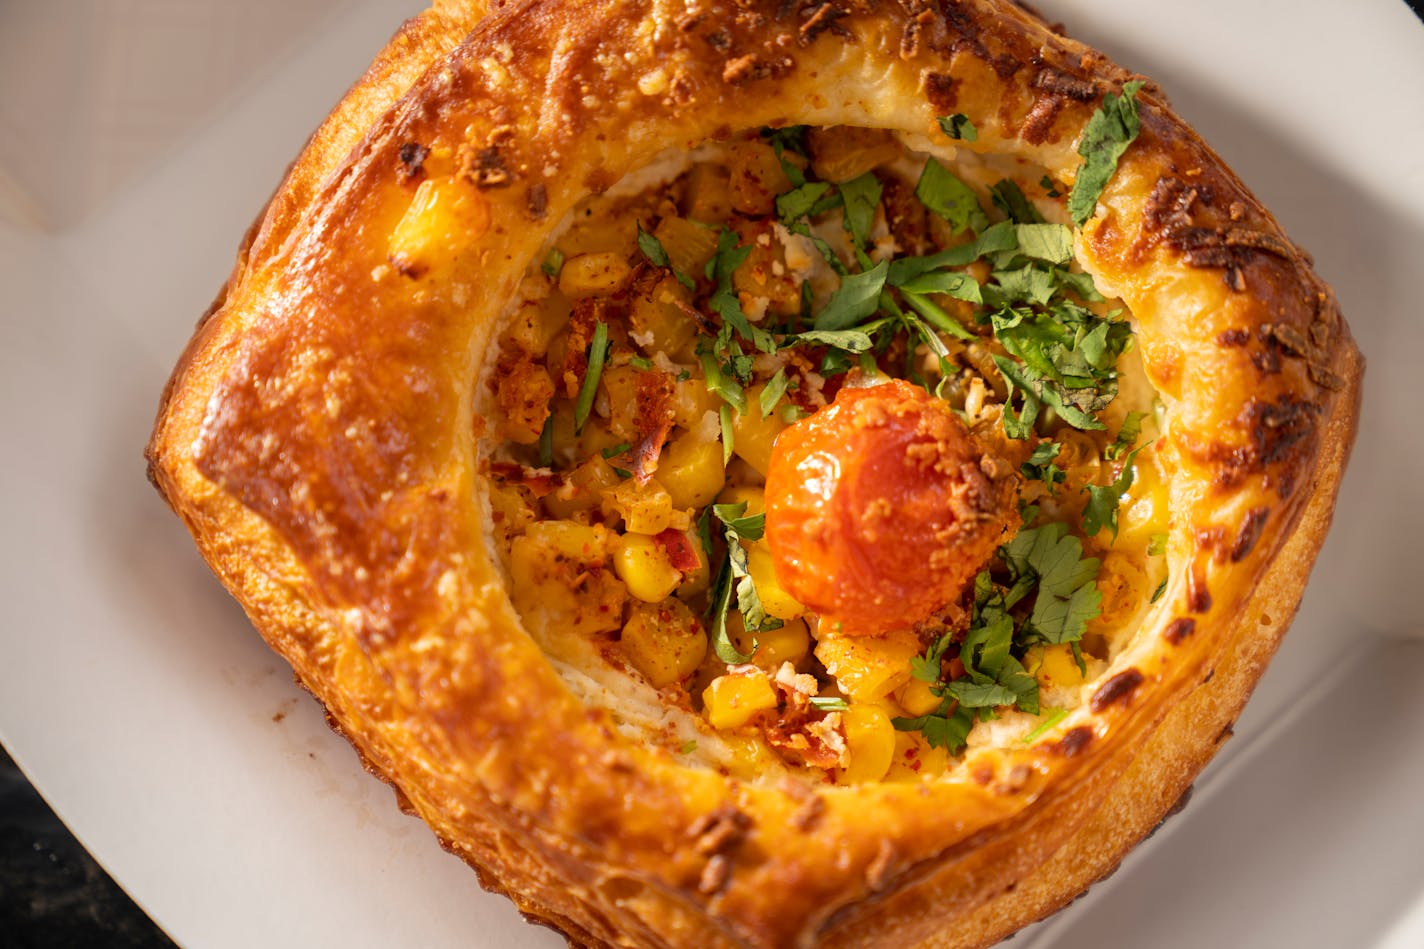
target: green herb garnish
1106 136
597 353
958 126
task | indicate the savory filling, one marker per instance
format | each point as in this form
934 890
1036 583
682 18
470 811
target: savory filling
830 443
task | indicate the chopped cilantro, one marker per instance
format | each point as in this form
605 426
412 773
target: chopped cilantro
640 362
616 450
546 443
1055 715
1126 436
728 388
724 416
856 298
1157 545
652 248
597 353
852 341
828 703
1051 560
1102 507
1049 187
945 195
1106 136
1157 593
688 747
804 201
623 473
958 126
943 728
553 263
724 301
861 196
1009 198
738 527
1040 465
772 393
1048 242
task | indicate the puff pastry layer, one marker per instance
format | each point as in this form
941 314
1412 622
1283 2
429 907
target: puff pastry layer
319 438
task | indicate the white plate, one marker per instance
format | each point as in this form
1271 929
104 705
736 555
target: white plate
176 746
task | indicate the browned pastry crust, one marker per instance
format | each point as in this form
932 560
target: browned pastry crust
318 440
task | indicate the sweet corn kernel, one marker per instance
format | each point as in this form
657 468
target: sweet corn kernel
870 744
914 759
776 600
756 177
598 274
753 497
584 543
658 322
691 402
752 435
844 152
551 585
1123 583
642 564
772 647
596 438
709 194
867 667
1056 667
731 700
691 470
584 490
645 509
689 245
664 642
916 698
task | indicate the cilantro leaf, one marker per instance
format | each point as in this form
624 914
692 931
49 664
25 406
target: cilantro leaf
1009 198
937 316
1102 507
828 703
553 263
802 201
1157 545
953 283
948 730
1047 242
958 126
730 391
1067 594
861 196
1040 465
856 298
1106 136
945 195
852 341
734 518
724 301
1126 436
741 527
652 248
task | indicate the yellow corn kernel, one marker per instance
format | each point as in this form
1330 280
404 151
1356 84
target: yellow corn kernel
763 283
1056 666
752 435
914 759
776 600
663 642
689 245
870 744
756 177
754 497
1146 512
658 322
691 402
844 152
750 757
1123 583
916 698
510 508
643 565
590 275
584 490
732 699
584 543
691 470
645 509
770 648
709 194
867 668
442 214
551 585
596 437
535 324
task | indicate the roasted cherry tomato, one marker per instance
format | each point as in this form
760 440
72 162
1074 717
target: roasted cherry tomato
880 508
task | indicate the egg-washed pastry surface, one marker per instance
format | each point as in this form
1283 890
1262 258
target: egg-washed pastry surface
771 475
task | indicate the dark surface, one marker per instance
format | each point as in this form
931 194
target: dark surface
52 893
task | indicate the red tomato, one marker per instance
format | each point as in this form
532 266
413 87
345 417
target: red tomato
878 509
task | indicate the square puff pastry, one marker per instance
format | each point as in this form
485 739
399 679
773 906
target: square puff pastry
320 441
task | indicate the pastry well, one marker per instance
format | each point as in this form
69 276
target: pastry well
319 438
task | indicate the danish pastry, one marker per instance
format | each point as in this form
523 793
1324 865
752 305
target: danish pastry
766 473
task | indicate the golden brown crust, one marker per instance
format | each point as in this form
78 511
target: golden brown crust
318 439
